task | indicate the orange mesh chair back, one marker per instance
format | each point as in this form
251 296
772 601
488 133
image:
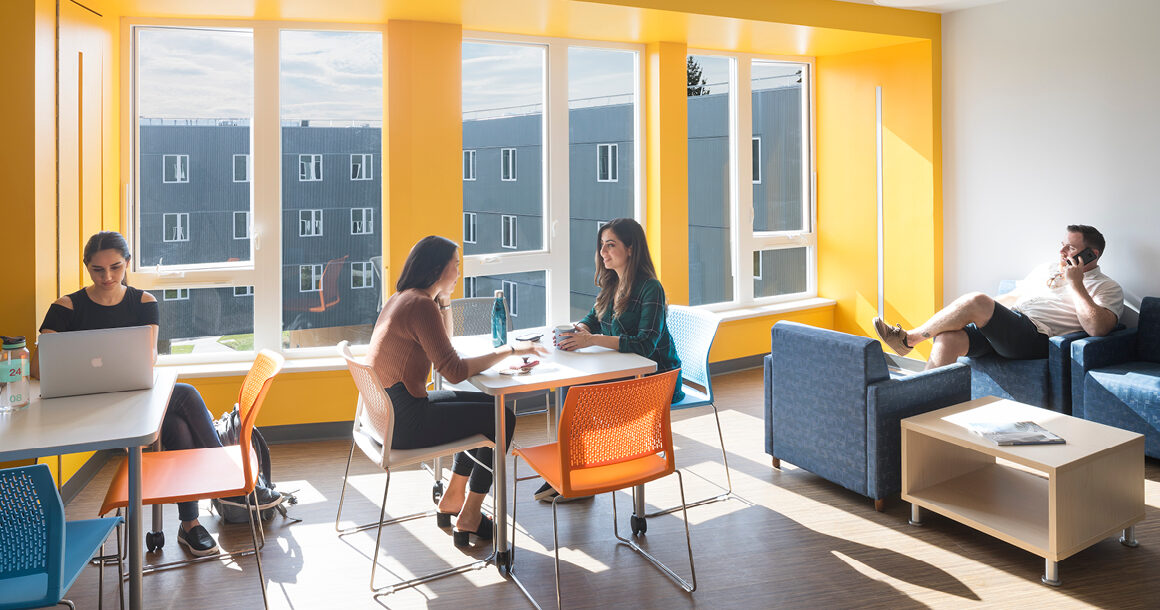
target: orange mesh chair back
250 398
616 432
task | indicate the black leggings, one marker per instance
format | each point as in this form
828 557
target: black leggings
187 425
445 416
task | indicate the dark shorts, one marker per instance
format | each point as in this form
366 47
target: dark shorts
1009 334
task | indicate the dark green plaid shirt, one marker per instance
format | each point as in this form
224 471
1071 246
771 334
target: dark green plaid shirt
641 328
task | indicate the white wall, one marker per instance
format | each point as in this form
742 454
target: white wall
1051 116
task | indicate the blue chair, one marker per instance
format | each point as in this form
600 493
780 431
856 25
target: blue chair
1116 379
693 331
832 408
1043 382
41 554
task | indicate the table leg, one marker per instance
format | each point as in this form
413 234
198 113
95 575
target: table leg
638 510
133 514
503 554
1051 573
916 515
554 415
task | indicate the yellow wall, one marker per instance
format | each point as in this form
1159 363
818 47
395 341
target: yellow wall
294 398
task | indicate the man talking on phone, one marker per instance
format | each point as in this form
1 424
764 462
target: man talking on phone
1056 298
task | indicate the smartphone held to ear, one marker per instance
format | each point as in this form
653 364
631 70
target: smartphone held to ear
1086 256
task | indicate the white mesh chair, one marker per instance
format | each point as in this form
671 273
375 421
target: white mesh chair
373 429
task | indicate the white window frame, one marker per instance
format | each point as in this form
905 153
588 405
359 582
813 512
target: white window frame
366 271
469 165
179 294
743 238
366 167
554 259
248 225
312 226
509 231
755 164
246 291
308 162
512 296
249 167
368 221
182 177
613 161
507 164
470 227
468 287
182 226
315 277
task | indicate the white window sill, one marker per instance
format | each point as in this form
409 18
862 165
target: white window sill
773 309
240 368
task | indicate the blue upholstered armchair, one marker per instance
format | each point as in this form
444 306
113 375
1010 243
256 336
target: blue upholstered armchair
832 408
1116 379
1044 382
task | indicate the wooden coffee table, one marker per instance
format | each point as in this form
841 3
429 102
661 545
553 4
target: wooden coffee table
1079 493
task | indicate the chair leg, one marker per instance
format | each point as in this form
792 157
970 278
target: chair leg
101 576
684 584
120 572
880 505
379 535
728 479
342 494
251 511
556 548
66 602
775 462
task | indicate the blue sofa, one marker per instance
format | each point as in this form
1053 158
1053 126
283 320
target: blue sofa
1116 379
832 408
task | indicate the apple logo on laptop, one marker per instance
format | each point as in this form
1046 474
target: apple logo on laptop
97 362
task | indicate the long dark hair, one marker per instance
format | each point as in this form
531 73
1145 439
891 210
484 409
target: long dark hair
107 240
426 262
639 268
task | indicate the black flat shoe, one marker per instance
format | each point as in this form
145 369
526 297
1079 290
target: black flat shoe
443 519
483 532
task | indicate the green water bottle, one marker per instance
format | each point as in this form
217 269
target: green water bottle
498 321
13 375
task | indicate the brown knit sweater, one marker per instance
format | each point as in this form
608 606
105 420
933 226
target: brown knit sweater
408 337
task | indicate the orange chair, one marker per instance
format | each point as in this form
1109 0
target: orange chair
183 475
612 436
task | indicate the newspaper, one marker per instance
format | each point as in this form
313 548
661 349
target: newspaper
1015 433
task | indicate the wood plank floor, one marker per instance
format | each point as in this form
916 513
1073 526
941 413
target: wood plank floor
798 542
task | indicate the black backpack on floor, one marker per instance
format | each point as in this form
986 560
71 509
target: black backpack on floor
233 510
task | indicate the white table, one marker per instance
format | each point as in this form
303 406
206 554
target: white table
557 369
111 420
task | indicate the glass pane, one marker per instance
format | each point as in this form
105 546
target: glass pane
783 271
193 118
710 248
204 320
777 164
503 105
525 293
331 85
601 139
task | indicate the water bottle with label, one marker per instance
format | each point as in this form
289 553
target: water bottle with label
498 321
13 375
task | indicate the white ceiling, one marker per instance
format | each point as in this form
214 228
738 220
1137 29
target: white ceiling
932 6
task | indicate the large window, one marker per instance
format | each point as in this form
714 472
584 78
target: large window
242 221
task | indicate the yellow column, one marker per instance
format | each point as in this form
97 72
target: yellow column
667 164
423 138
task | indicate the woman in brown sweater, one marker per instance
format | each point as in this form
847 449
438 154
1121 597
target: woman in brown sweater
413 333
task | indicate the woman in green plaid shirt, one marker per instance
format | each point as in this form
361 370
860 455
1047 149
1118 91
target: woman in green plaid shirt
629 315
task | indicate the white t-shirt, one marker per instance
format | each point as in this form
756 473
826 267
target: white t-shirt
1048 304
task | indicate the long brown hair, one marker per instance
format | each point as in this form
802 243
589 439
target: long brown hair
639 268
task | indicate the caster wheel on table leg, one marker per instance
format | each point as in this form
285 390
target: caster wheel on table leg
154 540
437 492
639 525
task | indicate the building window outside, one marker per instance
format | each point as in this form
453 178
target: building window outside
606 163
310 278
469 165
362 275
757 265
176 294
508 233
362 221
175 168
309 168
511 295
469 220
309 223
243 291
468 287
242 225
176 227
242 168
507 164
756 160
361 167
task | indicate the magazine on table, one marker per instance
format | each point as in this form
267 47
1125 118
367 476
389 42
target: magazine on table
1015 433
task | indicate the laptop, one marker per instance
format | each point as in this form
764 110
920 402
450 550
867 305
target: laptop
93 361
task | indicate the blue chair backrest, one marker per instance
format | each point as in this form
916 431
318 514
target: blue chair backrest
1148 332
31 527
825 365
693 331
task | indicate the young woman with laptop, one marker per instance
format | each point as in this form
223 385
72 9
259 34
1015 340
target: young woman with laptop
109 302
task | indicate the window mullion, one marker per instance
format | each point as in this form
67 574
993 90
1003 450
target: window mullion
266 190
556 160
741 151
